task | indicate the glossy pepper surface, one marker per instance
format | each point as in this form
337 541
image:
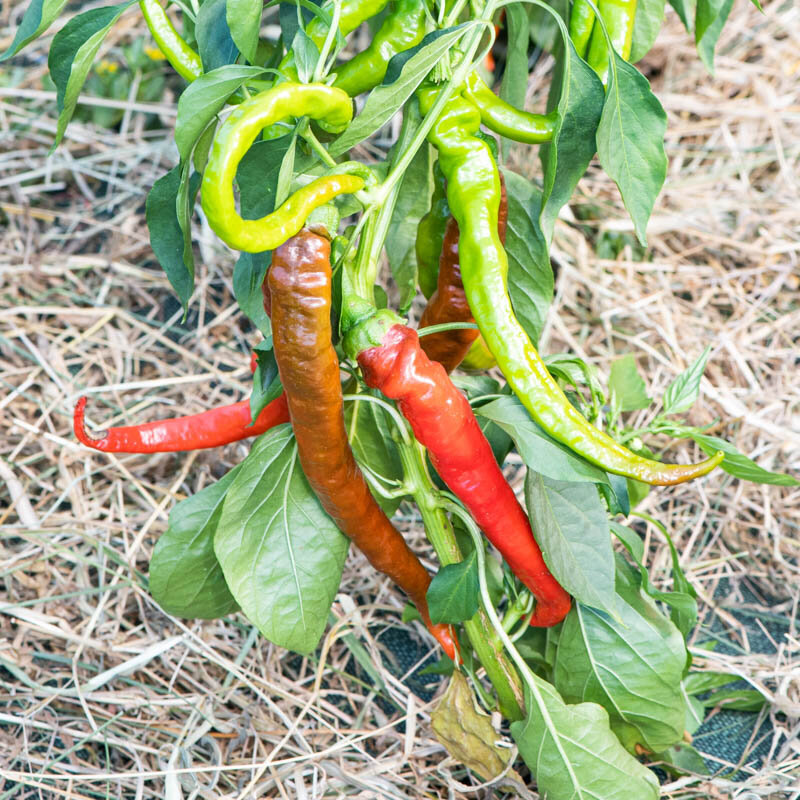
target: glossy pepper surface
619 17
442 420
182 58
430 235
299 283
449 302
505 119
581 21
233 139
473 191
400 31
213 428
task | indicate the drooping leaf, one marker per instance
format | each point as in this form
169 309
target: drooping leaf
539 451
72 55
244 21
266 379
281 554
632 666
646 25
709 20
577 93
530 276
572 752
626 385
685 10
248 277
38 17
204 98
515 74
398 85
630 141
185 577
214 40
738 464
453 595
571 526
683 392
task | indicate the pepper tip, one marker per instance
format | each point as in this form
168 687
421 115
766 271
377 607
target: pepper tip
79 427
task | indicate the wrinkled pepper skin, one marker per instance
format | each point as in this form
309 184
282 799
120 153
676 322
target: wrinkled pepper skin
299 282
449 301
182 58
233 139
503 118
442 420
430 235
213 428
400 31
473 191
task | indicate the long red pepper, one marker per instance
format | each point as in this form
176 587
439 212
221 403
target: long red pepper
442 421
212 428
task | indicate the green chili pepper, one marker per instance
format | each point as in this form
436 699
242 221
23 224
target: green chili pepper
581 21
473 191
331 107
430 235
619 17
181 57
503 118
400 31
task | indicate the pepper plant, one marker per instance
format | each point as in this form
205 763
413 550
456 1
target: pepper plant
558 625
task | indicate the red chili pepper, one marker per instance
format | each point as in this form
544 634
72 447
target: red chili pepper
212 428
442 420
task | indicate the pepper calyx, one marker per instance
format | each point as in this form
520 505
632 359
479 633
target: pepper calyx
369 332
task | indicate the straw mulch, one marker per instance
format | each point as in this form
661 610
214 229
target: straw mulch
105 695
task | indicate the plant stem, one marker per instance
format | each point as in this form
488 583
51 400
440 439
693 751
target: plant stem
487 647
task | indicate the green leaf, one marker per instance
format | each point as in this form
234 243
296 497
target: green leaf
72 55
214 41
683 392
244 21
530 276
539 450
258 174
266 379
398 85
626 385
578 94
412 204
571 526
630 141
572 752
739 465
306 55
281 554
184 207
454 592
204 98
709 20
544 29
702 682
646 25
185 577
248 277
38 17
685 10
682 758
166 235
632 666
370 436
515 75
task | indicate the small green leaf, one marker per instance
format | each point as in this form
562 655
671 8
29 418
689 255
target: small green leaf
266 380
281 554
184 208
683 392
244 21
214 41
248 277
398 85
185 577
630 141
454 592
72 55
572 752
539 451
685 10
739 465
515 74
626 385
530 276
646 25
709 20
306 55
571 526
258 175
204 98
38 17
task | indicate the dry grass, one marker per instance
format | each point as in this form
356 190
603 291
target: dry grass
105 695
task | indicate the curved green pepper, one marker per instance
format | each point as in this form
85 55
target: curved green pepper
473 191
400 31
185 61
619 17
430 235
331 107
503 118
581 21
